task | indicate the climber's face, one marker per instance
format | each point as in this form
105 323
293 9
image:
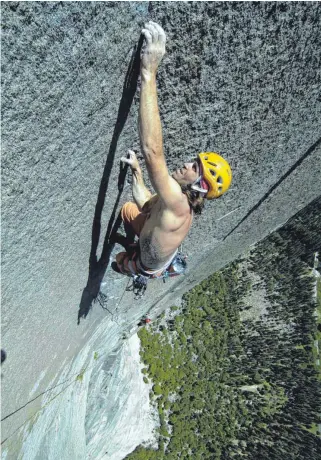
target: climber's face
188 173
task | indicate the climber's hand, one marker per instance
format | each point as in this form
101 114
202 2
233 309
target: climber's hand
131 160
155 47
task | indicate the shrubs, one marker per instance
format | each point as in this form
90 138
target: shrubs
231 389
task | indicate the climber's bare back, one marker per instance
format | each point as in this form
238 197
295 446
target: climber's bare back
163 231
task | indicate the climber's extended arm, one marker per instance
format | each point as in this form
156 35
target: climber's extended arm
150 128
141 194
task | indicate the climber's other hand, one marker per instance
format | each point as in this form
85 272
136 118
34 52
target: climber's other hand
131 160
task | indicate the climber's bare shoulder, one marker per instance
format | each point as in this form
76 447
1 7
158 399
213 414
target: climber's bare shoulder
169 219
173 220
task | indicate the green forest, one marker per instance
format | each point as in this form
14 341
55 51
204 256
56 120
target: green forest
236 369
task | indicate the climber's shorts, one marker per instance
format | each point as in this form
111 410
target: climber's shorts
132 216
135 219
129 263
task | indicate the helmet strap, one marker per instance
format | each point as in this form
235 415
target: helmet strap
195 186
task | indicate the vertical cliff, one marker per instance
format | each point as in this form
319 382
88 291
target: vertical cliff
239 78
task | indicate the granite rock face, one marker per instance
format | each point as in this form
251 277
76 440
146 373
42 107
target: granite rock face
238 78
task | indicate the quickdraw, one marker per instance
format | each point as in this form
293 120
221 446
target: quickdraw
139 286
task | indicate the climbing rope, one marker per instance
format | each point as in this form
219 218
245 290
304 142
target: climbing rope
77 379
116 309
102 300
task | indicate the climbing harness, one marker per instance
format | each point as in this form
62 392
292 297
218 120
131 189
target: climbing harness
176 267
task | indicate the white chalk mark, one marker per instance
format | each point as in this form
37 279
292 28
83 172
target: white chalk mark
228 213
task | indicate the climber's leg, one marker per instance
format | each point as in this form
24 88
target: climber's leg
133 220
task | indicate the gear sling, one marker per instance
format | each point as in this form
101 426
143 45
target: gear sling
140 277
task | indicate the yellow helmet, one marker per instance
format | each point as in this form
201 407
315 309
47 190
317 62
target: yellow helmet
216 172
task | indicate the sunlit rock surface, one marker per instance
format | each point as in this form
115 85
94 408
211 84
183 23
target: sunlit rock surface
239 78
103 414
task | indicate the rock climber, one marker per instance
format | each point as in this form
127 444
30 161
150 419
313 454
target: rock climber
162 221
145 320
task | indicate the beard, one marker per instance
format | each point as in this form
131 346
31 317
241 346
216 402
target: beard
180 179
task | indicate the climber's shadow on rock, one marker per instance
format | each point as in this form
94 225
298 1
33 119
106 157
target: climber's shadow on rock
97 268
